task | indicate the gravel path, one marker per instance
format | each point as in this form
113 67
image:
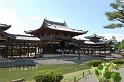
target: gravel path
91 78
48 59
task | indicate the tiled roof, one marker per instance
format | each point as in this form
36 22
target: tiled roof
61 26
10 36
25 37
100 42
94 36
4 27
56 26
89 42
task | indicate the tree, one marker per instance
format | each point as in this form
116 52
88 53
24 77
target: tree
121 46
116 47
116 15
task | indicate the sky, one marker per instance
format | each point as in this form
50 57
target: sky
78 14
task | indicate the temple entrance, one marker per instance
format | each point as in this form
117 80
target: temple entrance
51 47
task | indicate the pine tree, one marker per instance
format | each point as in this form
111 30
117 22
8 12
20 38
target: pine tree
116 15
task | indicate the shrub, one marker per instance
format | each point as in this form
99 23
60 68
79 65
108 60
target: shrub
48 76
94 63
118 61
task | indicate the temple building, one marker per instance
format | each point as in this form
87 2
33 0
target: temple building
52 38
17 45
55 35
97 45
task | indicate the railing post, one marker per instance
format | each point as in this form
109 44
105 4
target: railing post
74 79
89 72
83 74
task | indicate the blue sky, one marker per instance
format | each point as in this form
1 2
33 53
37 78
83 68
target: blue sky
78 14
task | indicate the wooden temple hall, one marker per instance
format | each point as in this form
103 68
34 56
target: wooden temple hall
51 38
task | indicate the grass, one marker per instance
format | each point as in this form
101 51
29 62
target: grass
69 77
8 74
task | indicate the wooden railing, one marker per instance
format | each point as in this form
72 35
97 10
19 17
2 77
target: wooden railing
84 75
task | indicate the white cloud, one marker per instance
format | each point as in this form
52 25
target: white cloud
18 24
7 16
10 17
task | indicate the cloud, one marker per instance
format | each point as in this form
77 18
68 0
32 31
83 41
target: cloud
10 17
19 24
7 16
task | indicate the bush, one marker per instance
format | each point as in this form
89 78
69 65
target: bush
48 76
107 72
94 63
118 61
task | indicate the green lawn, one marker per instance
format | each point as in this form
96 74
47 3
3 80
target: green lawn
8 74
69 77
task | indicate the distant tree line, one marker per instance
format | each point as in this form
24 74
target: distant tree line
119 45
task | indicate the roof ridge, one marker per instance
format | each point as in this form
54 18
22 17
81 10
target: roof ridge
24 35
55 22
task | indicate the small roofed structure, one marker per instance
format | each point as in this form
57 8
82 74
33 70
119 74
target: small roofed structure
12 45
96 45
25 46
94 38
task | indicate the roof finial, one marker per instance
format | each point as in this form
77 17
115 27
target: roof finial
95 34
65 23
45 18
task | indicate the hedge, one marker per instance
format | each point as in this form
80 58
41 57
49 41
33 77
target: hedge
118 61
94 63
48 76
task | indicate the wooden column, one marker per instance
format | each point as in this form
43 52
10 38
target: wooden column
100 50
31 47
79 51
88 47
6 52
35 48
110 49
38 47
25 49
28 48
91 50
20 50
11 51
